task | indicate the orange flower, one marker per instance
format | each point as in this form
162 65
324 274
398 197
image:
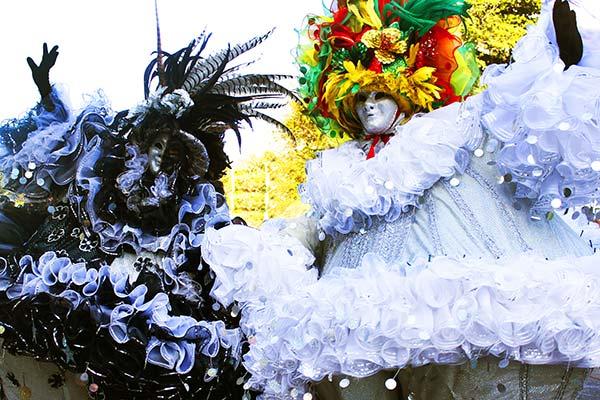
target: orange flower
388 44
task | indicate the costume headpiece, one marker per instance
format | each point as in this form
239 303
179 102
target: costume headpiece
173 141
206 95
411 50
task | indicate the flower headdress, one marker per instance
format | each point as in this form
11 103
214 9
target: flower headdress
411 50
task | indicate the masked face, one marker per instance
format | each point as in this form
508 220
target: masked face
156 153
376 111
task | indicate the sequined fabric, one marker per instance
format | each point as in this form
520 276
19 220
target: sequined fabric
481 380
24 378
486 381
372 387
474 219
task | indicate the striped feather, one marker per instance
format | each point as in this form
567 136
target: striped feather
272 121
208 66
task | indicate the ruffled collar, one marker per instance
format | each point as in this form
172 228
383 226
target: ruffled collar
346 190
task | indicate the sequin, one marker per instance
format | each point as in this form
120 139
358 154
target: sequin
28 174
532 139
596 165
556 203
31 165
344 383
307 396
454 182
564 126
391 384
478 153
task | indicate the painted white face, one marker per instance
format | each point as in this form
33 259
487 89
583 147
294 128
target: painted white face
156 153
376 111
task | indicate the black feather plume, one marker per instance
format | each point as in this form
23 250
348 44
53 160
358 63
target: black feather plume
223 97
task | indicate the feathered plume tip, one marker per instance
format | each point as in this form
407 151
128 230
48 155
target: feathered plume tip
222 97
568 37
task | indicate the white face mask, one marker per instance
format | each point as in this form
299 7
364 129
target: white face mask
376 111
156 153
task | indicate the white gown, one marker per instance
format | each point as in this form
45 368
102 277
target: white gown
428 264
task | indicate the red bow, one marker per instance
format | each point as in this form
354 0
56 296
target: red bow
376 139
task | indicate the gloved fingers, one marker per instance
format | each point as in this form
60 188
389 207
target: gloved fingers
32 64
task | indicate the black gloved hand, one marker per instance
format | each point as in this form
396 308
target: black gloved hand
568 38
41 73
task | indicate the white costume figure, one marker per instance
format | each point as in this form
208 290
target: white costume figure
440 263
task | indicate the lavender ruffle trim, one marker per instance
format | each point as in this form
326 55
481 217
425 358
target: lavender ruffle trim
345 190
378 316
60 277
204 209
48 154
548 120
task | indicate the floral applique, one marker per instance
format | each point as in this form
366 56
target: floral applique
56 235
60 213
87 245
56 380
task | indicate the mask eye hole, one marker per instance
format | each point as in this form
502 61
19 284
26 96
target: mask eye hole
361 97
380 95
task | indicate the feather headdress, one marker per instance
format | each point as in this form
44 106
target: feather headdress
195 98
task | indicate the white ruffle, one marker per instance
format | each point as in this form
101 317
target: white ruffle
345 189
359 321
242 258
547 118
